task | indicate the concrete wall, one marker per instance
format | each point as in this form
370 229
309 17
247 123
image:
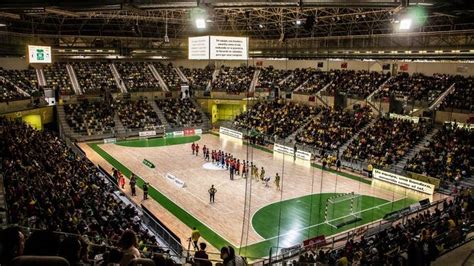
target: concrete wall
428 68
442 116
13 63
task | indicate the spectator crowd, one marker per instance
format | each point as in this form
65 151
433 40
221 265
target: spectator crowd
449 156
417 87
90 118
180 112
49 189
199 78
233 80
270 78
169 75
386 141
276 118
137 115
57 78
137 76
333 127
94 77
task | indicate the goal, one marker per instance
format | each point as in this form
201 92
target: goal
343 209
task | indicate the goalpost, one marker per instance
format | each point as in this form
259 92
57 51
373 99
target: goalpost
343 209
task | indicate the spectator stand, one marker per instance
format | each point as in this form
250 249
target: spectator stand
387 142
446 156
10 91
233 80
417 91
460 99
57 77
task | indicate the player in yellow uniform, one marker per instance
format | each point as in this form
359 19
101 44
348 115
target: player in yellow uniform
277 181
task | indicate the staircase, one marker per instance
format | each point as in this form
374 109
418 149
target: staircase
157 76
206 123
356 135
181 75
118 80
254 82
40 77
73 78
160 114
18 89
440 99
292 136
67 130
285 79
418 147
119 128
215 74
321 98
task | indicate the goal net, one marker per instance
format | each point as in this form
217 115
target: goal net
343 209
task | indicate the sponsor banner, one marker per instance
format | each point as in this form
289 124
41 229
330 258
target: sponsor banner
178 133
198 131
460 125
178 182
110 140
404 181
415 206
169 134
315 242
189 132
148 163
147 133
306 156
424 178
405 117
290 250
230 132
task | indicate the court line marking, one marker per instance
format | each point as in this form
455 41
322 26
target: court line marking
257 242
186 211
314 225
301 229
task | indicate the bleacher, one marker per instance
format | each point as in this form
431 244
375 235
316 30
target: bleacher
57 78
90 118
180 112
94 77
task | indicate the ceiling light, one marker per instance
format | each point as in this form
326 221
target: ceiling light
200 23
405 24
261 26
298 22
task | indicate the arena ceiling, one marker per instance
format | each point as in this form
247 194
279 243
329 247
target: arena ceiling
145 23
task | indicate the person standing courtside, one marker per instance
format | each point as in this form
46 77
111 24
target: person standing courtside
212 193
133 182
145 191
277 181
195 235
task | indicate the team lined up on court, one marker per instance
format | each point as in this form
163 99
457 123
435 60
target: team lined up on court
235 166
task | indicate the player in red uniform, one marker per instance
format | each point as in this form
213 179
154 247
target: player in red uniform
193 147
197 149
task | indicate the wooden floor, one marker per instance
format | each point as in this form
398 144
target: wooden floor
226 214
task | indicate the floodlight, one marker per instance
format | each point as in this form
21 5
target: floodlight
405 24
298 22
200 23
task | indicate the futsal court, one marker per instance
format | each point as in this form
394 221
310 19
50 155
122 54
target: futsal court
282 218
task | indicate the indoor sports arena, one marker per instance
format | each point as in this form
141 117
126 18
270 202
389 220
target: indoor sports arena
231 133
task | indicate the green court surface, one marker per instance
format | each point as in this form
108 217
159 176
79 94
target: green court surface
292 220
156 142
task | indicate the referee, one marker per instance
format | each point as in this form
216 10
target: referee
212 193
